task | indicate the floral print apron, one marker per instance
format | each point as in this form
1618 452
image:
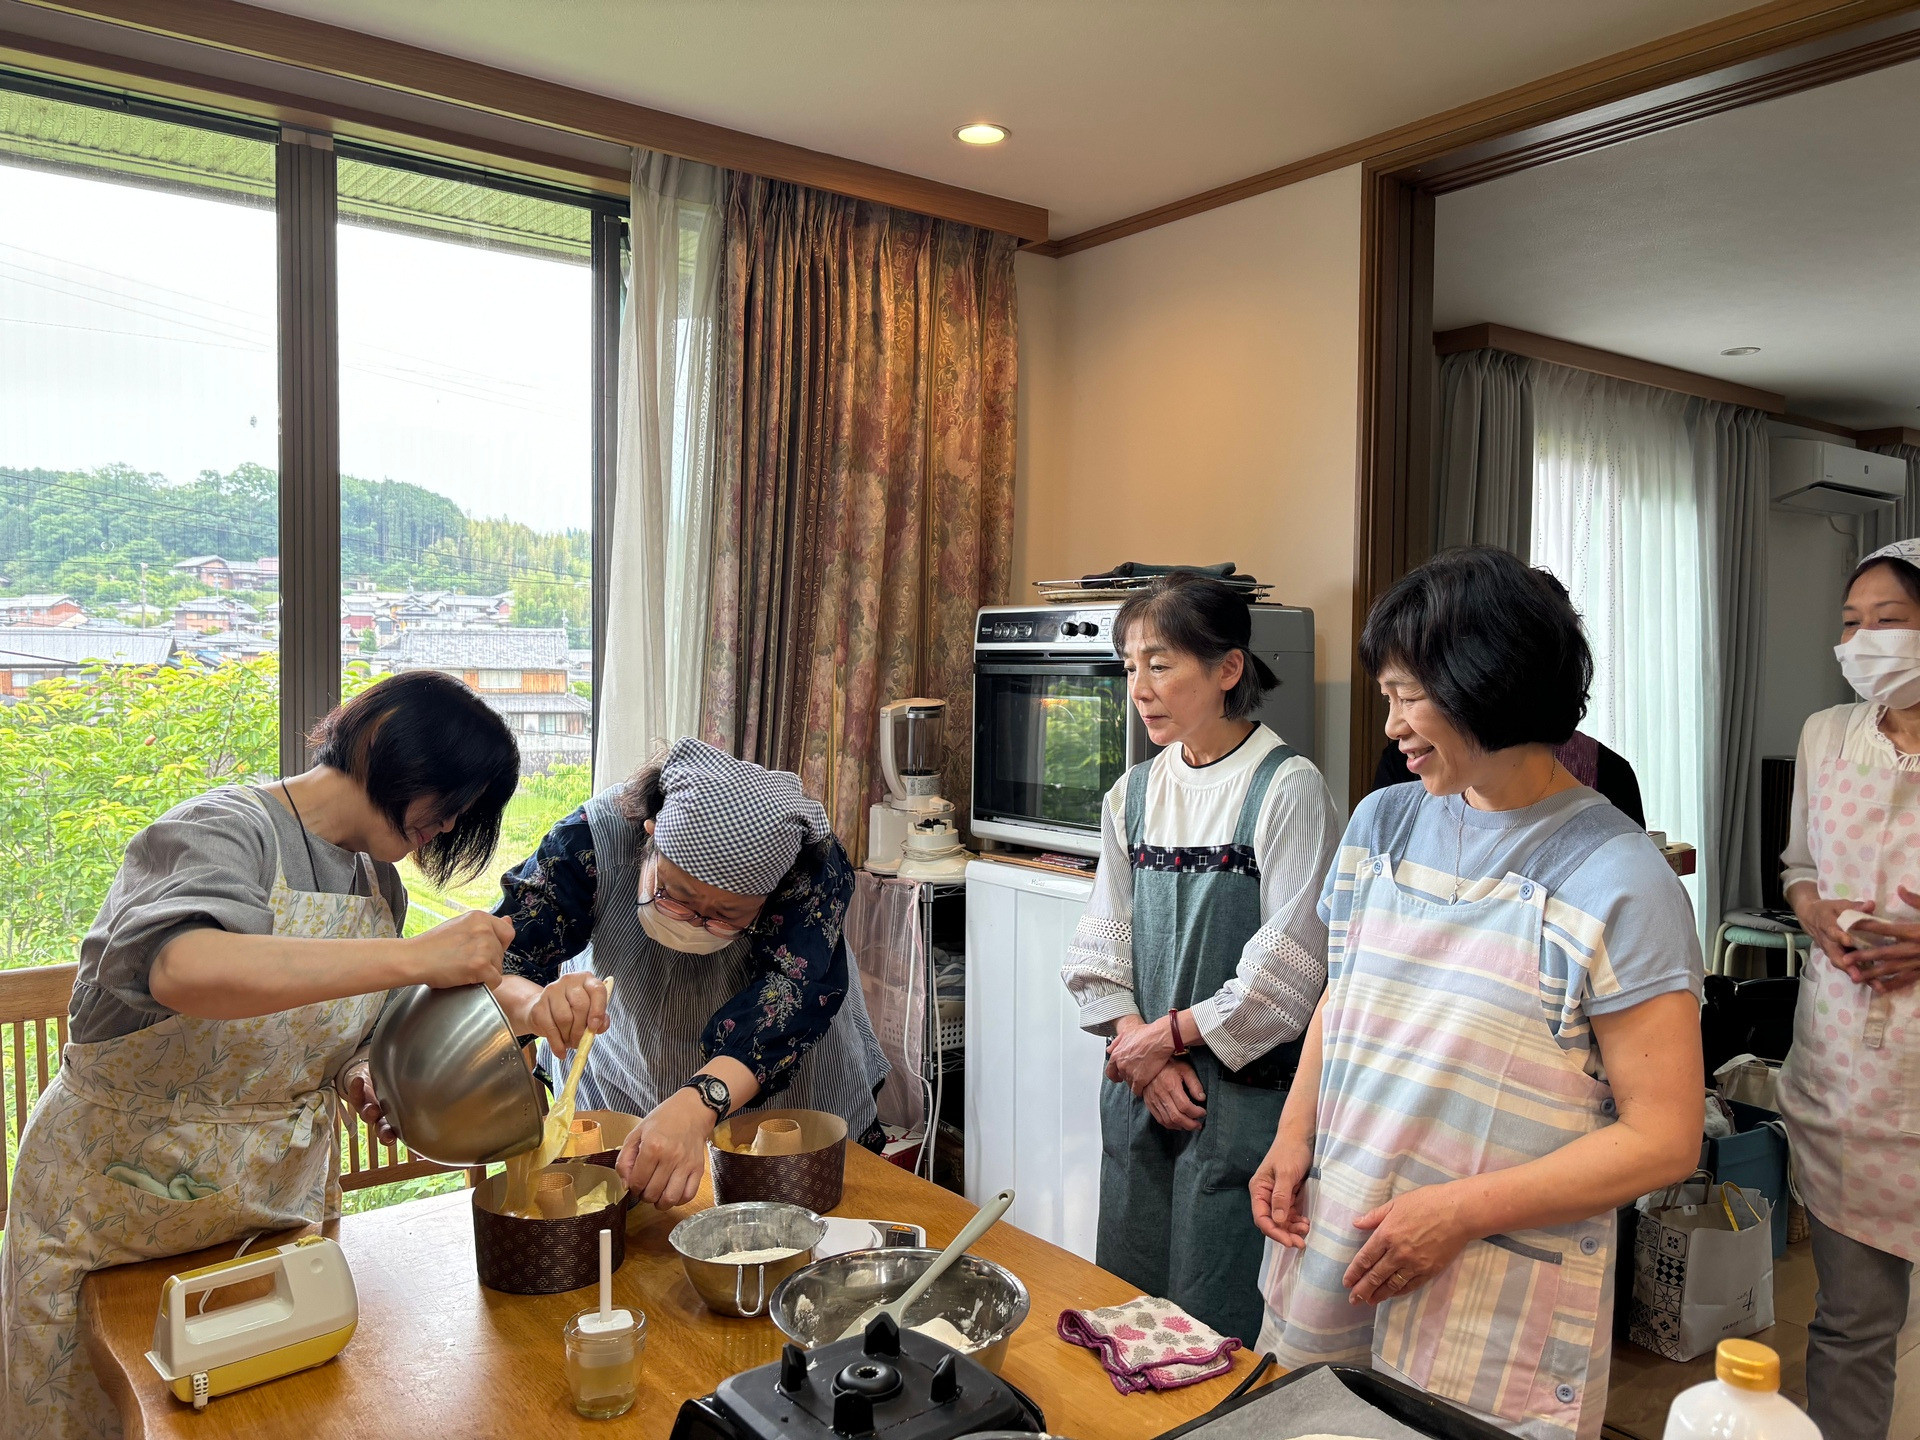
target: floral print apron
1438 1062
1850 1089
240 1112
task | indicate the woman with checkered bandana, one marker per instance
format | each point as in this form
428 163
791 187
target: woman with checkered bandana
714 891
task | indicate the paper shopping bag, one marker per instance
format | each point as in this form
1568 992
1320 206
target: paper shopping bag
1702 1270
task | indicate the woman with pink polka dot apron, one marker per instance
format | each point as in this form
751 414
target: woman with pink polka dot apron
1850 1091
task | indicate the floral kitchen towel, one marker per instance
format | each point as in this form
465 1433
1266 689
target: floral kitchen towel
1149 1344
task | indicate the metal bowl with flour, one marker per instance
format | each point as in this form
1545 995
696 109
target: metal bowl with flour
983 1301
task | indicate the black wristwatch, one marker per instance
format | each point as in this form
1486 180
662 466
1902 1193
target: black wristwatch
713 1093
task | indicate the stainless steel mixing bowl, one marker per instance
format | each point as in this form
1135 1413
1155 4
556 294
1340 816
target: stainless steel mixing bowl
452 1082
738 1289
982 1300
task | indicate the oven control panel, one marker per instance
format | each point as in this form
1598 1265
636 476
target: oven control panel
1051 626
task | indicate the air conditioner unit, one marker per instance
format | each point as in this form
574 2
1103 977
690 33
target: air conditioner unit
1834 479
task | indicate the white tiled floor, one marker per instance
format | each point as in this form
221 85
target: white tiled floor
1643 1385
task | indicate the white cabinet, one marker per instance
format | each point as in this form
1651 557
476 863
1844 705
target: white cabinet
1033 1075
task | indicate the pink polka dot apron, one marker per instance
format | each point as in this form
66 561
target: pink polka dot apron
1850 1091
186 1134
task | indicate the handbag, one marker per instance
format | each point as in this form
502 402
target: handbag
1702 1268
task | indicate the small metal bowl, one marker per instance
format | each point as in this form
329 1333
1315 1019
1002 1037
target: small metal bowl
984 1301
744 1290
454 1086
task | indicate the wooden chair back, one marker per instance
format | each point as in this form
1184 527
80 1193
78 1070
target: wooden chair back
33 1032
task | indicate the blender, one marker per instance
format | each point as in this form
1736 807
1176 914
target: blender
911 832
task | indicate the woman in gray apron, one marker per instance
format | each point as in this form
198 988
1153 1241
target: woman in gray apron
1201 952
235 971
715 893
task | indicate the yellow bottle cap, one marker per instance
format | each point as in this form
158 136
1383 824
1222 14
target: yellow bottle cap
1747 1364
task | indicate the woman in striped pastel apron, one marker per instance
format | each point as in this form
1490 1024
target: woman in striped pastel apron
1509 1046
714 891
219 1006
1850 1092
1201 952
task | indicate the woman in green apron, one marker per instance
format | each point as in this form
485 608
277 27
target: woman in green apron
236 968
1201 953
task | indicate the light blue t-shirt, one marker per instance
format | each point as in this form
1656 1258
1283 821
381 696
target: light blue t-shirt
1618 931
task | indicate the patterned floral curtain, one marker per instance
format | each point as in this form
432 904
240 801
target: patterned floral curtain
865 505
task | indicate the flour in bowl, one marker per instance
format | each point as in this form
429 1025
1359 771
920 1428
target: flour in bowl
756 1257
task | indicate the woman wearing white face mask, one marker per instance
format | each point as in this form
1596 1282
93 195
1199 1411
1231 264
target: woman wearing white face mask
1850 1091
714 891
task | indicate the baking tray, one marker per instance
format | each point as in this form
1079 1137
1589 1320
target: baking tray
1398 1402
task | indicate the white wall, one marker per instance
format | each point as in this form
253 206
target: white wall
1808 560
1191 394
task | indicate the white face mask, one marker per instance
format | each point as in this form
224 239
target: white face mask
682 935
1883 666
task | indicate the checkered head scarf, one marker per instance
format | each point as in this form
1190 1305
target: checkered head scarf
1907 550
730 823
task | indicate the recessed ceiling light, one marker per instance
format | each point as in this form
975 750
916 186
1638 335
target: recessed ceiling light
1742 350
981 132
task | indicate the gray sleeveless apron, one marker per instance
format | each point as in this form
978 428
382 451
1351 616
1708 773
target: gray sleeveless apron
1175 1216
665 998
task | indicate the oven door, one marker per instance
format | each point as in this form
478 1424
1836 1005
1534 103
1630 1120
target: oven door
1050 737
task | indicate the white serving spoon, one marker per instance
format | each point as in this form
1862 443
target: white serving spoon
988 1217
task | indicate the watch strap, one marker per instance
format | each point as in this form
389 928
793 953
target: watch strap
713 1093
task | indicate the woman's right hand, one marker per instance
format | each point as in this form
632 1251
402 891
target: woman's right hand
1820 919
466 950
1278 1190
565 1011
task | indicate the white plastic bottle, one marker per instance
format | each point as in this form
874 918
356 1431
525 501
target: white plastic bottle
1743 1403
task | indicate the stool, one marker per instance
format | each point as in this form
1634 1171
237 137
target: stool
1748 930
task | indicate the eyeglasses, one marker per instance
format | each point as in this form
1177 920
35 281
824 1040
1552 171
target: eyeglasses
687 915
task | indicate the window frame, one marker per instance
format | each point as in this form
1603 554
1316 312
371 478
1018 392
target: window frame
307 333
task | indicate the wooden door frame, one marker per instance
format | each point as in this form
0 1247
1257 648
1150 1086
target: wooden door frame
1393 510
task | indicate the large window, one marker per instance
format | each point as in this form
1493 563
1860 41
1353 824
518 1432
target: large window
139 506
144 256
466 454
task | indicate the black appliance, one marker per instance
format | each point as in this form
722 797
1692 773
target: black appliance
904 1386
1413 1408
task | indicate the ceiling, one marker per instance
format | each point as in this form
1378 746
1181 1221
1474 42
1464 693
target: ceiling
1790 225
1115 105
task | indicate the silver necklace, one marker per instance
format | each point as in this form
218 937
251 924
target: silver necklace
1460 825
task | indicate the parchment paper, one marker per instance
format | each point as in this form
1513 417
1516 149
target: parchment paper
1317 1405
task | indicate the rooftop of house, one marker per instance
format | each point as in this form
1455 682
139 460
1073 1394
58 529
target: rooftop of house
479 649
34 602
556 702
27 645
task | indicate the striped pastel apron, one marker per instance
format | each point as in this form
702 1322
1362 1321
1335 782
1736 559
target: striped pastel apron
1438 1063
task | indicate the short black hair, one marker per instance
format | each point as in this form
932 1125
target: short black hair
1203 616
1495 643
424 735
1903 571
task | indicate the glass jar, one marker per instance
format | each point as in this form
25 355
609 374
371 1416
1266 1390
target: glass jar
603 1365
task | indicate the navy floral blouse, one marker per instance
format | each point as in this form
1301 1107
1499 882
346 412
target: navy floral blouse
796 950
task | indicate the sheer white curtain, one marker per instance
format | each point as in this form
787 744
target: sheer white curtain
1618 516
662 547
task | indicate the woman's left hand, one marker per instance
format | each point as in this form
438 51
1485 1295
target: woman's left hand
666 1154
1415 1236
1893 965
1139 1054
366 1104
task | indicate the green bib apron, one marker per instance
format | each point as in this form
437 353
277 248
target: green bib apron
1175 1215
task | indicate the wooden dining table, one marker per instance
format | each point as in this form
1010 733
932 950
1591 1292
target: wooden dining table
438 1354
